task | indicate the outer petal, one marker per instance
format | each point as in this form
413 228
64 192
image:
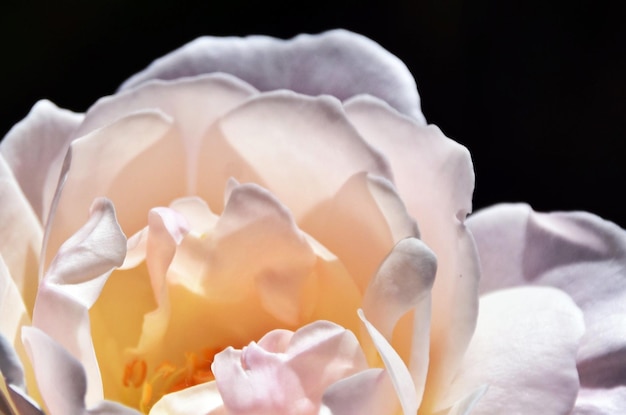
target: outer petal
72 285
524 348
62 379
578 253
21 240
366 392
434 177
601 401
35 148
337 62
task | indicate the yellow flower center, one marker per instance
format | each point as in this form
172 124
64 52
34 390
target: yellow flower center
167 377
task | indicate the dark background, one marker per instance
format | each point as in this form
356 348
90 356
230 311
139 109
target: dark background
535 90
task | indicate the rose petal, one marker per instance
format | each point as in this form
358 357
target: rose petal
435 179
524 348
35 148
366 392
396 369
601 401
182 99
365 208
337 62
403 283
278 141
73 283
259 248
61 377
22 236
149 172
203 398
578 253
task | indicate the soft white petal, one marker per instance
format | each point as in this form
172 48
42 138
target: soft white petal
35 148
203 399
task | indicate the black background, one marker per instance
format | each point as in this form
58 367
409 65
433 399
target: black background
535 90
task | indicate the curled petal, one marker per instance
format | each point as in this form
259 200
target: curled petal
73 283
396 369
337 62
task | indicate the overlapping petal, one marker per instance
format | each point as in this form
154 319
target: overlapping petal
337 62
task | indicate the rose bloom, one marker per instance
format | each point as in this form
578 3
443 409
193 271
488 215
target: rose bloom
258 226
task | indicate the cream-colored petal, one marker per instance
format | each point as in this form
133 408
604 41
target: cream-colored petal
281 140
138 162
192 103
22 236
201 399
361 224
435 179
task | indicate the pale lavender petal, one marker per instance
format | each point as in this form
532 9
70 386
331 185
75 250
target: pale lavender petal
601 402
576 252
524 350
35 148
337 62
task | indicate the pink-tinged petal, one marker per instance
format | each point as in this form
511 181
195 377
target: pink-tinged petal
403 283
257 382
22 236
322 353
396 369
365 208
601 401
366 392
73 283
193 103
149 172
576 252
435 179
279 140
62 379
337 62
524 349
35 148
203 399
